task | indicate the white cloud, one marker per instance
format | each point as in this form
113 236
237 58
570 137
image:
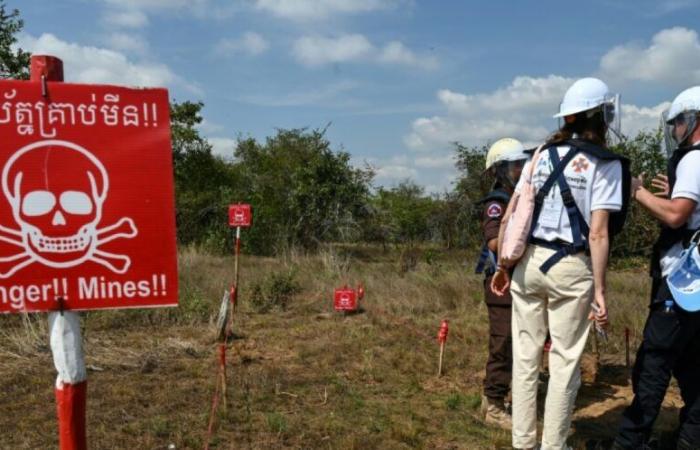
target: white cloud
87 64
223 146
208 127
250 43
319 50
134 13
435 162
672 59
157 5
519 110
435 179
640 118
128 43
306 10
396 53
128 18
670 6
388 173
524 107
435 173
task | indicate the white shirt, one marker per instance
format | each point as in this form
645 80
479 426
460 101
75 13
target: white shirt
595 185
687 186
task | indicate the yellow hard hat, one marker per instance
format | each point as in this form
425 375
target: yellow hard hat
506 149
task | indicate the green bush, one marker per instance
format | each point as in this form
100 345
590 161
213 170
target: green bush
274 291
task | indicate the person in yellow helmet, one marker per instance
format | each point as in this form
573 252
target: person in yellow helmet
504 161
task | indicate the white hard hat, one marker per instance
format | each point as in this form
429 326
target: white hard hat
584 94
688 100
684 109
506 149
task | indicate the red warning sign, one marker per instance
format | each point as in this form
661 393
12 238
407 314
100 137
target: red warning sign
87 216
240 215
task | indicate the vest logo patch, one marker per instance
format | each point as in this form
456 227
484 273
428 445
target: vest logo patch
580 165
494 210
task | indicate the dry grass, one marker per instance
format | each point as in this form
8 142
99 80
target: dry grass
300 376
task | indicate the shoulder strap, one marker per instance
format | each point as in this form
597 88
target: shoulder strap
557 171
594 150
579 227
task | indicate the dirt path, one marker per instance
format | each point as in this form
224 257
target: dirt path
600 406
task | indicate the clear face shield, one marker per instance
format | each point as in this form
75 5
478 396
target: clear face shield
678 130
612 115
508 172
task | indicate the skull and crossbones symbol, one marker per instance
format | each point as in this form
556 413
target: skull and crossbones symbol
56 190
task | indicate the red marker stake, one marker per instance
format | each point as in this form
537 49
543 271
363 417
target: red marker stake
229 321
442 339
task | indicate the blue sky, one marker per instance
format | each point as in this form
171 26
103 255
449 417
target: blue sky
398 79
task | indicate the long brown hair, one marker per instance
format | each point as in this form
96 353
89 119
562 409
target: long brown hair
592 129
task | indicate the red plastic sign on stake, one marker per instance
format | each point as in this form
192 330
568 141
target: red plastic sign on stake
240 215
345 299
87 201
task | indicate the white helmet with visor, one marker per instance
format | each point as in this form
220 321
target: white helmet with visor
592 95
681 119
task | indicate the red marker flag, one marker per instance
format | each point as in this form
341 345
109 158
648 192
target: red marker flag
442 334
442 339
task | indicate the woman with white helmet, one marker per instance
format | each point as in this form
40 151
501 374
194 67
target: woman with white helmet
671 343
504 162
579 187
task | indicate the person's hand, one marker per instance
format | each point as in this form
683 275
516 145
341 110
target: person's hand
660 182
636 184
500 282
599 312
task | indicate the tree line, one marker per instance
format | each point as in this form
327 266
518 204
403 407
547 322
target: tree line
305 193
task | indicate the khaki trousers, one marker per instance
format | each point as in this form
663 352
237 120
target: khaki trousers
559 302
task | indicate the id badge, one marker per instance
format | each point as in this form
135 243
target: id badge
550 216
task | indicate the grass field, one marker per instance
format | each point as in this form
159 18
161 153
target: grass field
300 375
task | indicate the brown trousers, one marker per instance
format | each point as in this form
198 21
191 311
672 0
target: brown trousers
499 366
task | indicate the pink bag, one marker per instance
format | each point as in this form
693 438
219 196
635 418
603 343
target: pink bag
517 232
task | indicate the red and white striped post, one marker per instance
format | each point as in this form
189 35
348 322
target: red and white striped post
64 326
